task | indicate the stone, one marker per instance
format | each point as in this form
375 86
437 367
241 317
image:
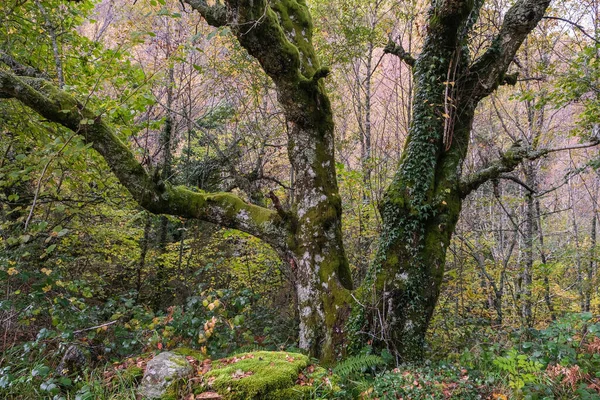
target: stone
161 372
74 360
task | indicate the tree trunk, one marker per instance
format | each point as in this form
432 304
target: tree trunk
544 258
318 259
526 278
589 282
162 293
421 207
282 44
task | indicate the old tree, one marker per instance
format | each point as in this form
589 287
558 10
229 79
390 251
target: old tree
421 206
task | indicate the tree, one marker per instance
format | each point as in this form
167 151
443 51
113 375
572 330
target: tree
422 204
309 235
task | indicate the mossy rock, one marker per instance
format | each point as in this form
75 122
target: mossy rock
296 392
162 375
258 375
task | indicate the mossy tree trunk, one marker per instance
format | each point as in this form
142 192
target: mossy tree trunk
279 35
422 205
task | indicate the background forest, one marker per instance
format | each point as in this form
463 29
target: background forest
83 266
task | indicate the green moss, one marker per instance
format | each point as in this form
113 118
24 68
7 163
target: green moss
186 351
172 393
132 375
296 392
271 372
180 361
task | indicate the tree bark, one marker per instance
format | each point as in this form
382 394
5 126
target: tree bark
279 35
422 205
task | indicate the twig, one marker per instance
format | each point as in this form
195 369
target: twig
95 327
576 25
39 184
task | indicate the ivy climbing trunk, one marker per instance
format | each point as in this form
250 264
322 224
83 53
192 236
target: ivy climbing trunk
422 205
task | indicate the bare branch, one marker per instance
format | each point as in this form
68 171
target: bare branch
576 25
488 72
508 161
517 181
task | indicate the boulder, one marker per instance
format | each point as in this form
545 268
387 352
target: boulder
161 372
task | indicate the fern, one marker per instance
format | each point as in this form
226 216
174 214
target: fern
359 363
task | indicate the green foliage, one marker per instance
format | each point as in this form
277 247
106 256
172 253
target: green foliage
435 382
580 84
519 368
561 361
358 364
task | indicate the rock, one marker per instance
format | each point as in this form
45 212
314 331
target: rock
161 372
74 360
258 375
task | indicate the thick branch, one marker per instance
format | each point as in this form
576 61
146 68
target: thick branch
223 209
489 70
18 68
397 50
277 33
508 162
215 15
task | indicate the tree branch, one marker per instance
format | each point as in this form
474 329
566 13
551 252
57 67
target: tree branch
517 181
215 15
20 69
397 50
576 25
508 161
277 33
488 72
158 197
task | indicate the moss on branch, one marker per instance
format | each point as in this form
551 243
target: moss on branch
223 209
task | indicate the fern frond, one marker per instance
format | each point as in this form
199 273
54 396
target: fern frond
358 363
